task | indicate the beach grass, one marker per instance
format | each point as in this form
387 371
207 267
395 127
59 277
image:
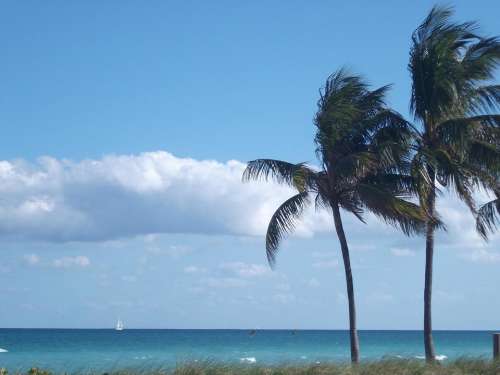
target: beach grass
464 366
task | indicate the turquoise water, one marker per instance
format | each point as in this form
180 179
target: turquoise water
79 350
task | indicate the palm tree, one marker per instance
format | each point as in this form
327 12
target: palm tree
453 98
488 216
362 146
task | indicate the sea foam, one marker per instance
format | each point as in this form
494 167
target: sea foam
439 357
248 360
3 350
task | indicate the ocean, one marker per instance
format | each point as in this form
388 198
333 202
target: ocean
105 350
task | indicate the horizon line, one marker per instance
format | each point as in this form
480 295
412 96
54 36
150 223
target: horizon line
249 329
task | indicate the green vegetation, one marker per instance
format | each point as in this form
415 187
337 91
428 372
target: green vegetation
373 160
383 367
457 146
363 147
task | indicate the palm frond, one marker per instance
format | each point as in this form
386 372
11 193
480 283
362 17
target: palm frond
406 216
350 202
452 174
298 175
484 98
422 169
401 185
452 67
481 59
457 132
283 221
488 217
485 157
344 106
441 81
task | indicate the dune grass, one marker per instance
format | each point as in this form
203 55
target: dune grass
382 367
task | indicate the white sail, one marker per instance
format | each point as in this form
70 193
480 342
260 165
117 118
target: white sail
119 325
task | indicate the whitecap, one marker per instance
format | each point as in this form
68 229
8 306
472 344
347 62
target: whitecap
439 357
3 350
248 360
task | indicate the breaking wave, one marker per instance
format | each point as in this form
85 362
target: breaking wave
439 357
248 360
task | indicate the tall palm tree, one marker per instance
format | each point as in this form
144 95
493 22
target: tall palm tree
453 99
362 147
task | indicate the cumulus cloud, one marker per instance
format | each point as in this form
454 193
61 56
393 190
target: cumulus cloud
66 262
126 195
121 196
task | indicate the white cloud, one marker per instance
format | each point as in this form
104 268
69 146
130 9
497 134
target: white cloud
66 262
481 256
31 259
127 195
245 270
122 196
402 252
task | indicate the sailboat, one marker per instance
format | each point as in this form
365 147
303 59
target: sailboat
119 325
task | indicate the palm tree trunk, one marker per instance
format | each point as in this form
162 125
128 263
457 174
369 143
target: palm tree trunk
349 282
430 354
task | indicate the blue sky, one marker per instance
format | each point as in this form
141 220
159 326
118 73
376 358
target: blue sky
125 130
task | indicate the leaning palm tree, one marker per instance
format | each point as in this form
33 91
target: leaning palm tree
362 147
454 100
